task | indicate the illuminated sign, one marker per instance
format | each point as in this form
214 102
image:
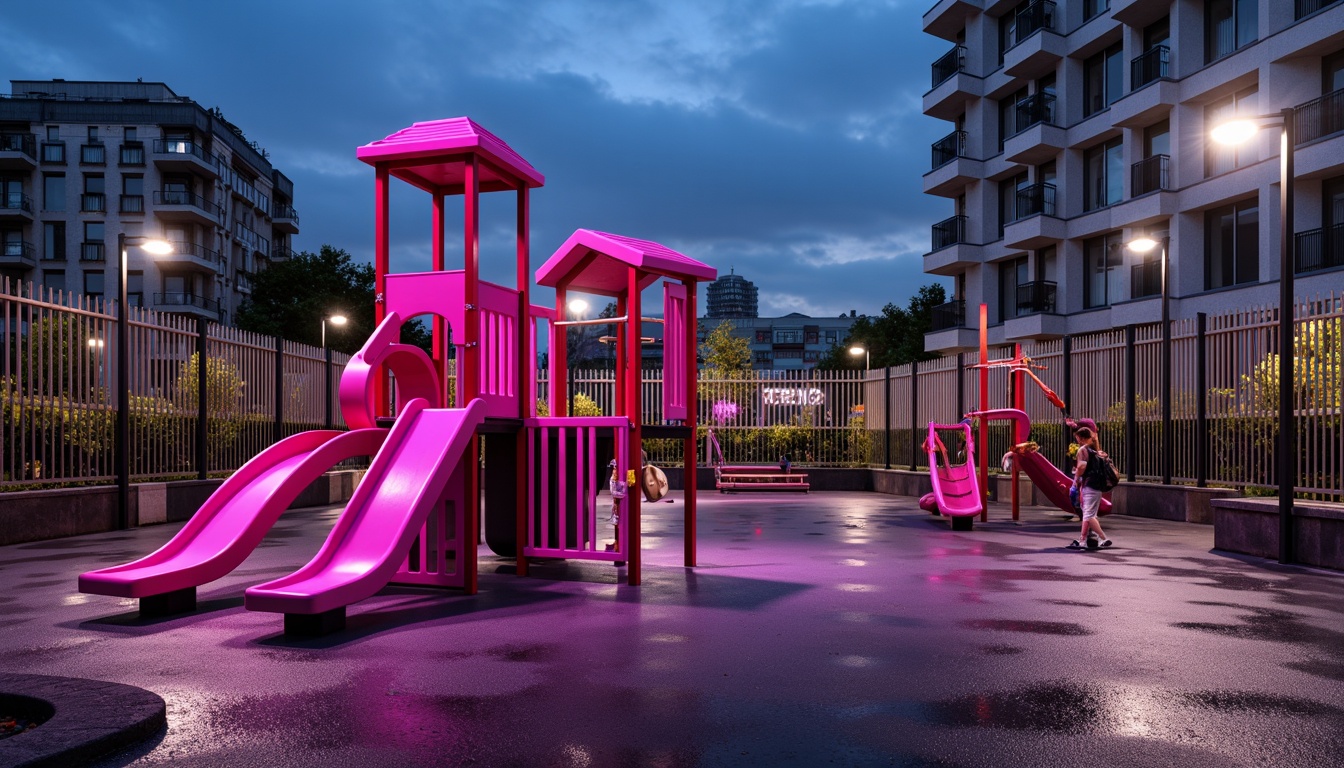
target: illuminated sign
792 396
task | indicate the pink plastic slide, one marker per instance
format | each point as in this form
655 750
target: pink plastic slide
956 492
1051 481
236 517
371 538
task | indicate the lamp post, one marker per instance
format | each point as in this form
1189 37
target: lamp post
1145 245
154 247
857 350
336 319
577 308
1238 132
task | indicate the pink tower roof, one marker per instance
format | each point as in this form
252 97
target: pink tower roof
596 262
431 155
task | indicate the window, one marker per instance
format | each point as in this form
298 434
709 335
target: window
1008 189
811 337
53 133
762 337
53 241
1157 33
93 283
1101 270
135 288
1232 245
93 247
93 134
1008 115
130 133
1332 73
1157 139
1229 25
132 194
1102 79
94 199
1092 8
53 191
53 152
54 279
1103 175
11 194
1011 274
788 337
1221 158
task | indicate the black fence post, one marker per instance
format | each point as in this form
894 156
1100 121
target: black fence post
886 417
1201 400
914 414
328 422
1131 417
279 389
961 385
202 399
1067 365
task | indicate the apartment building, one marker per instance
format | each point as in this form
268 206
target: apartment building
731 295
82 162
1080 125
794 342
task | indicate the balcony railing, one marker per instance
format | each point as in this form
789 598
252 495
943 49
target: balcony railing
181 299
1319 249
949 232
25 143
1308 7
181 197
243 282
951 63
283 252
182 147
949 315
17 250
1149 175
1319 118
1035 298
133 154
1145 279
92 154
132 203
93 202
53 152
1032 19
949 148
281 211
16 201
92 252
1035 199
1034 110
1149 66
195 249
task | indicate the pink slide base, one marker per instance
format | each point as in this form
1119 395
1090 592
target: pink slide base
406 480
956 492
1049 479
236 517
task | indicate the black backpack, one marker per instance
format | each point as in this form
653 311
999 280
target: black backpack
1100 473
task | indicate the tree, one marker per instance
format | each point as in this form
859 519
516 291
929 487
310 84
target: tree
291 297
894 337
724 354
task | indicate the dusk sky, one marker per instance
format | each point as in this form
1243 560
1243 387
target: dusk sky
782 139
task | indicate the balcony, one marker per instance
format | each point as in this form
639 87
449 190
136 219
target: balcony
242 282
93 202
1319 249
947 18
1307 7
285 218
951 63
92 154
17 254
1150 175
1139 13
1036 199
193 255
18 152
283 253
1038 16
182 156
53 153
949 315
948 148
15 206
92 252
1036 139
949 231
260 245
188 303
1035 297
951 253
1145 279
132 204
132 153
1035 225
1033 54
1148 66
179 205
1319 118
946 100
952 170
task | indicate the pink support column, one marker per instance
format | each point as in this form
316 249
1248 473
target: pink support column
984 406
468 372
692 412
560 358
527 368
1018 402
440 344
634 370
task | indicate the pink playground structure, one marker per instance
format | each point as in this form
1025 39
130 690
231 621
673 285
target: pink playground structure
955 493
413 518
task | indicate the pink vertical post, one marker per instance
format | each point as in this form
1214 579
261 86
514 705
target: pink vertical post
692 411
561 475
1018 403
634 372
381 266
622 310
469 367
560 357
527 363
984 406
594 472
545 485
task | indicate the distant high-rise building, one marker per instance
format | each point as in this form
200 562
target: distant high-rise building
81 162
732 296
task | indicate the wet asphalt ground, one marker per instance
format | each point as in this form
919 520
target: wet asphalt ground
826 629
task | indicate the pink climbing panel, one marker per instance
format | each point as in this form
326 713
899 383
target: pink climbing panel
562 457
674 351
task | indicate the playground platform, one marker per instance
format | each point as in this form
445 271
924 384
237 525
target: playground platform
826 628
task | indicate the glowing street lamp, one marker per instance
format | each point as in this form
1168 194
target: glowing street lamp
1146 244
336 319
857 350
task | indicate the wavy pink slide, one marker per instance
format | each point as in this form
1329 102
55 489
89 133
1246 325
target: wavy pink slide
371 538
1051 480
235 518
956 491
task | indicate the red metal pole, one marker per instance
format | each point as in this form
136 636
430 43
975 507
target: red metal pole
634 369
692 411
381 263
1018 403
984 406
469 367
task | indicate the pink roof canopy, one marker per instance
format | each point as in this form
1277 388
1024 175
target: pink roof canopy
432 155
596 262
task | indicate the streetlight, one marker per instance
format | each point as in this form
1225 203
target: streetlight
1237 132
1146 244
336 319
857 350
154 247
577 308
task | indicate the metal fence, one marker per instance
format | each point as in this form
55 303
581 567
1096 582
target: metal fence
59 396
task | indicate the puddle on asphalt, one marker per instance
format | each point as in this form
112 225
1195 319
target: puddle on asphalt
1000 650
1064 628
1277 626
1072 603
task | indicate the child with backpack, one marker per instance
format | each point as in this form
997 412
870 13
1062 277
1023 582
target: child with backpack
1089 478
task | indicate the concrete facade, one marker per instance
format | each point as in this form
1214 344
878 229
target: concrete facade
794 342
81 162
1071 136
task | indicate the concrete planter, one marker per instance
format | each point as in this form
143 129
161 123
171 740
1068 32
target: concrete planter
1251 527
1183 503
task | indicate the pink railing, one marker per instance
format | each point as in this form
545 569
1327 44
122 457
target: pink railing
536 314
675 387
562 456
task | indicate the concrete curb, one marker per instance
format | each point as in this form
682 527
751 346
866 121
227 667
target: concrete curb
92 718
